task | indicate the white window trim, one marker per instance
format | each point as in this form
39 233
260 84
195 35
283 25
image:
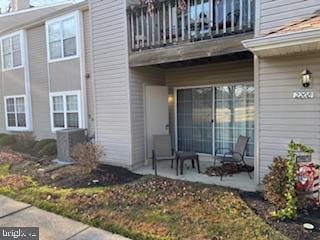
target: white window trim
64 94
20 33
60 19
26 111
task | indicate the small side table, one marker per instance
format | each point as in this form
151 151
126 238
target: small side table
182 156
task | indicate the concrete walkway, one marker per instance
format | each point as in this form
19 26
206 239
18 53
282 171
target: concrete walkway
51 226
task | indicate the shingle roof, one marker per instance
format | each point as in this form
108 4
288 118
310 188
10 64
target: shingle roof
309 23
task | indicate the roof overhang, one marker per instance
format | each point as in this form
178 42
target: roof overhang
34 16
284 44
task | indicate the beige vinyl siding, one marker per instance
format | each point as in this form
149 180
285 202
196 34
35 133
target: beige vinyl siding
218 73
274 14
226 72
283 118
111 80
65 75
39 82
139 77
88 67
2 112
13 82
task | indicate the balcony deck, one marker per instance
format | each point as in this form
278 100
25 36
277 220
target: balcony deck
198 29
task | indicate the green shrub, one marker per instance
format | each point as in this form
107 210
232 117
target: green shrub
40 145
283 187
24 142
7 139
49 149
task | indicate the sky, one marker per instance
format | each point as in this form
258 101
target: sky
4 3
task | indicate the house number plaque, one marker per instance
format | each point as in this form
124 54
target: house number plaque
303 95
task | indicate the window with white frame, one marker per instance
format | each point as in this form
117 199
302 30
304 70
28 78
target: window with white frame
62 37
65 110
15 110
11 54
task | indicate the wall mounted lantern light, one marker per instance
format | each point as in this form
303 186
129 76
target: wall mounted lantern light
306 77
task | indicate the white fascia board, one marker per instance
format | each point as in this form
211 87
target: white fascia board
282 40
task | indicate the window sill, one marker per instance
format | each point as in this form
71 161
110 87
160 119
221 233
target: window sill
18 129
62 59
12 69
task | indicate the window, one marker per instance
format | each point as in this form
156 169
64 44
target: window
15 110
65 108
62 38
11 51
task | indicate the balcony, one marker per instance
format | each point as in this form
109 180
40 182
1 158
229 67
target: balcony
201 28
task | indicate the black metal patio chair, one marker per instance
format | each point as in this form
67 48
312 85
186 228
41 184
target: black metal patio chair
236 155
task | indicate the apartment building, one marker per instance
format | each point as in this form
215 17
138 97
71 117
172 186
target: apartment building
45 69
205 71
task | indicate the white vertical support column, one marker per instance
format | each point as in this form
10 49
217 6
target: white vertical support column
241 15
148 30
216 9
142 28
137 31
189 20
176 20
132 31
224 16
153 41
249 14
170 22
210 16
164 23
182 25
195 18
202 19
232 15
158 27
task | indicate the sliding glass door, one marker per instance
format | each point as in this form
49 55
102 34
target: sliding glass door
234 114
210 119
194 120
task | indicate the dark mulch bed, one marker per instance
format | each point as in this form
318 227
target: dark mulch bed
70 176
293 229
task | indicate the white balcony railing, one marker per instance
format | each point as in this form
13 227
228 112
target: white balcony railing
198 20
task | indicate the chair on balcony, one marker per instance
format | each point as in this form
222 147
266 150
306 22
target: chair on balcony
162 150
236 155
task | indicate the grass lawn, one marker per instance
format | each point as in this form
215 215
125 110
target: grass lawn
147 208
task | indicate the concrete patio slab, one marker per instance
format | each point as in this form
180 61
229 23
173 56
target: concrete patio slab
7 206
239 181
97 234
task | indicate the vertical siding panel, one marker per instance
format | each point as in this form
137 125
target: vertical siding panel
89 84
111 81
2 111
39 82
